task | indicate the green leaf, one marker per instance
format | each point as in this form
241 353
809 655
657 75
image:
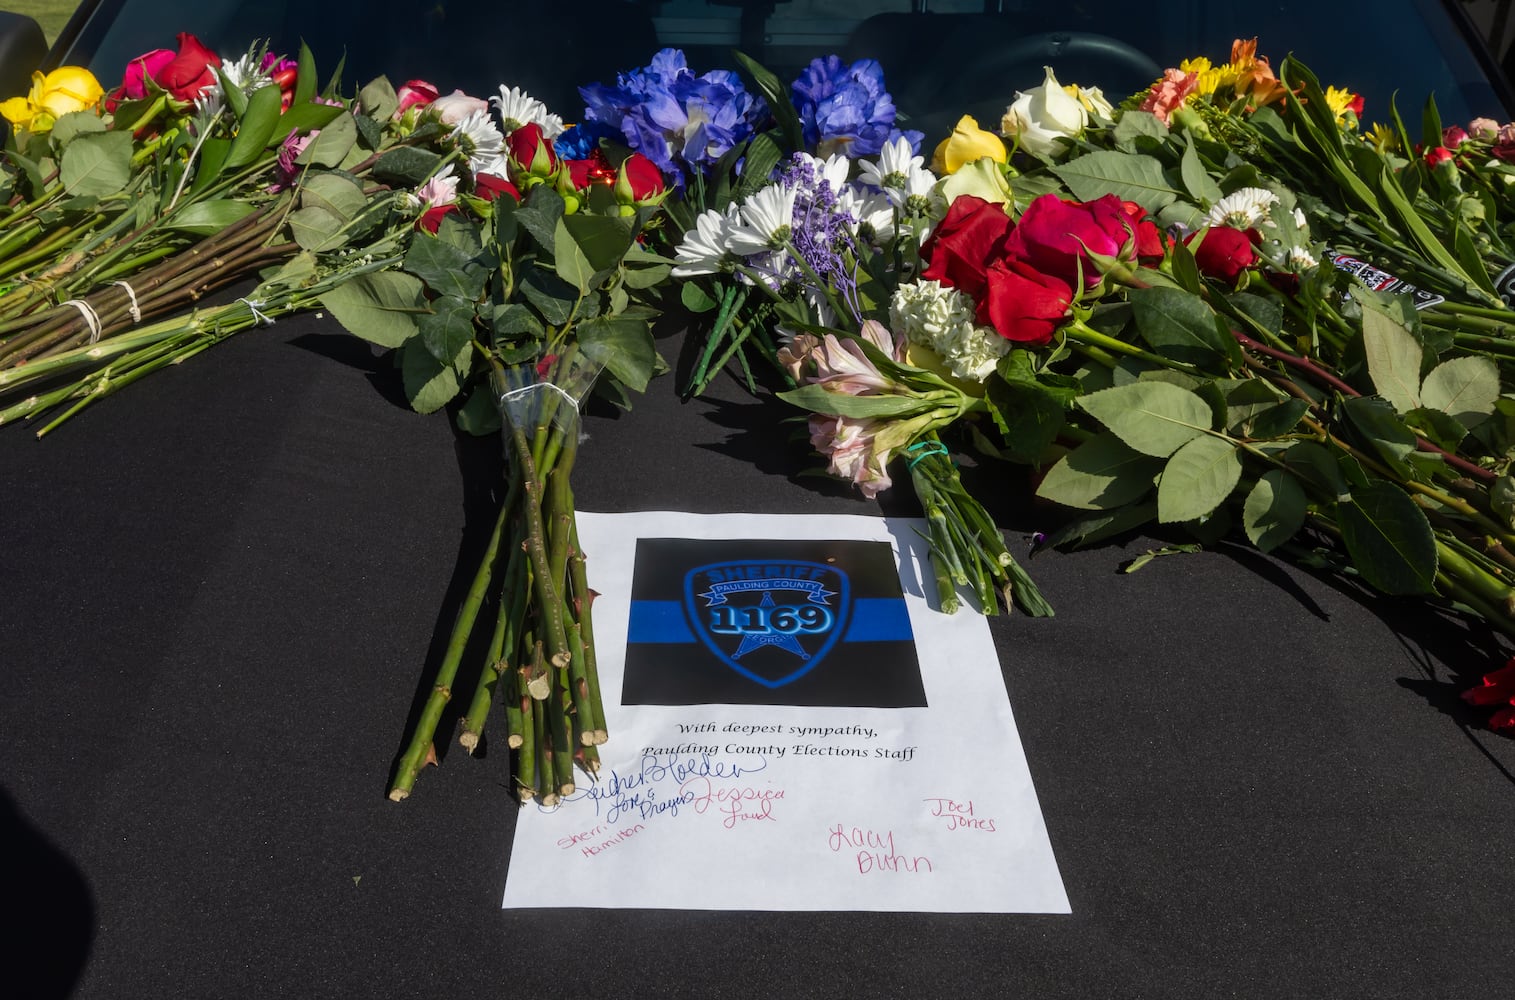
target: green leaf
1393 356
1100 474
73 124
255 128
479 416
1135 125
1430 123
1266 312
604 239
383 308
1316 465
777 95
1185 269
1384 430
1201 186
696 299
447 332
623 345
97 164
446 269
1274 511
338 194
1030 415
429 384
206 218
331 146
1436 427
1136 178
1197 479
1155 418
1502 499
552 296
210 163
763 154
378 99
317 229
236 99
1464 388
405 167
1098 527
513 320
818 399
569 261
540 213
1389 539
1276 421
304 118
305 75
1180 326
647 277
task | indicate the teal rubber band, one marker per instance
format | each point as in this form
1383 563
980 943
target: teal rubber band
928 448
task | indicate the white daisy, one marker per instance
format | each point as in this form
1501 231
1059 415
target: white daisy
482 143
1242 209
704 249
1301 259
765 221
896 162
873 212
518 108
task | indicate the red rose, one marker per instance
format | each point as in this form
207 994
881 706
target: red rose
1504 151
1023 304
1223 252
640 181
1498 688
431 220
1149 239
960 250
1436 157
489 187
1057 237
189 72
1453 136
530 153
580 173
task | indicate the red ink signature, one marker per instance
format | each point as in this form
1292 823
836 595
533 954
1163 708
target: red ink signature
959 815
735 805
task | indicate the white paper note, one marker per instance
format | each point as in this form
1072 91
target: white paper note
896 794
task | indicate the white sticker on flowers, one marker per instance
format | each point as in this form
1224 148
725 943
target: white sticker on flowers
793 729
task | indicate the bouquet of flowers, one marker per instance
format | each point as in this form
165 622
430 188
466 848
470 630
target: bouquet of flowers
511 301
193 174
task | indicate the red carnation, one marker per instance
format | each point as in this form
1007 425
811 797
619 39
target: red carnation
960 250
1437 156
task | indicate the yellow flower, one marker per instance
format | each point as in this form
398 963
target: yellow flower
65 90
967 143
1382 138
1339 100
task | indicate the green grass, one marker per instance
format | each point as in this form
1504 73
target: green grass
51 14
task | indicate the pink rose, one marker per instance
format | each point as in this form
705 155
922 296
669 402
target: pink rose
456 106
138 72
1453 136
414 94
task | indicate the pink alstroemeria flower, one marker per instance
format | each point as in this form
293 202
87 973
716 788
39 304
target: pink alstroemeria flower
853 451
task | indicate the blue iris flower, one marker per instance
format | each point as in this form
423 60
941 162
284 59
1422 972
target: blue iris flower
680 121
846 108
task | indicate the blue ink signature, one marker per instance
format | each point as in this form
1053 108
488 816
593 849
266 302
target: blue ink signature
644 793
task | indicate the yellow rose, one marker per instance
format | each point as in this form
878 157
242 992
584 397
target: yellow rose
65 90
967 143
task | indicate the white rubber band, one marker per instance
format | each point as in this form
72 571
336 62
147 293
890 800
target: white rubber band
263 318
131 294
506 397
91 318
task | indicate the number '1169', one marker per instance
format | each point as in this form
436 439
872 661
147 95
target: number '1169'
785 619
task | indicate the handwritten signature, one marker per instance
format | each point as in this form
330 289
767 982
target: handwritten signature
655 787
876 851
959 815
735 804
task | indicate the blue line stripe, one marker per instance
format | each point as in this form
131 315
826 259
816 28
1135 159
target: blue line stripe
879 619
658 621
874 619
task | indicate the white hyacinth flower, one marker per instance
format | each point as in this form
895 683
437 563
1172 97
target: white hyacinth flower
518 108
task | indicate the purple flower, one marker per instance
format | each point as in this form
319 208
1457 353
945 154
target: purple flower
845 109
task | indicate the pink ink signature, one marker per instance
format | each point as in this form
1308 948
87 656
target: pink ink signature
959 815
876 851
734 804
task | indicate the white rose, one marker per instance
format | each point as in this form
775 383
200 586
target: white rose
1041 116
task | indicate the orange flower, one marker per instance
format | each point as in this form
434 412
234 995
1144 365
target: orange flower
1253 74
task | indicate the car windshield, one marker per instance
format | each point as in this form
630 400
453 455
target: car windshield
941 59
